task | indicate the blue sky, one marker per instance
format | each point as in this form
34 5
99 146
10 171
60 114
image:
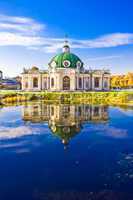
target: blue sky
100 33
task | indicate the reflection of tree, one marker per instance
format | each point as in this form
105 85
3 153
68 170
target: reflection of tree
65 121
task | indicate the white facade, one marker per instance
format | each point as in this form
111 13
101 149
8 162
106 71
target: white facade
65 73
35 80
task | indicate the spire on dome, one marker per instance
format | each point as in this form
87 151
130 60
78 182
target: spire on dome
66 47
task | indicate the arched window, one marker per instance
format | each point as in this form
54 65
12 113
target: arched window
106 83
45 83
66 83
26 84
87 83
96 82
52 82
96 111
35 82
52 110
79 111
80 82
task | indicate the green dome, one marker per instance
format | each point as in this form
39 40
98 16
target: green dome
66 60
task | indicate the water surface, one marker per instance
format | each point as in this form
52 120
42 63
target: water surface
66 152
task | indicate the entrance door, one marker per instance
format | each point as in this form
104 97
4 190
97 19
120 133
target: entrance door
66 83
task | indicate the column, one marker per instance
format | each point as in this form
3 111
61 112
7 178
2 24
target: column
77 82
30 82
92 83
23 83
101 82
40 82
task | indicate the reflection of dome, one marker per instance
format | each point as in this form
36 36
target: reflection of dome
65 133
66 60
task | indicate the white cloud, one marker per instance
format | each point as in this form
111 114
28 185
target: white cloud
128 113
111 40
111 131
10 133
14 19
20 25
22 31
104 58
14 39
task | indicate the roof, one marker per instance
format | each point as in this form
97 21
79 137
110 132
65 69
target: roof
66 60
9 82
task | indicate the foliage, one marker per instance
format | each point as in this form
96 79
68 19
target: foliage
112 97
122 81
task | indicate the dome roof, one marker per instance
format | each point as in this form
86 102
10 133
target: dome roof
34 68
66 60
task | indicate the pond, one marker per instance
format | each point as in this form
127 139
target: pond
66 152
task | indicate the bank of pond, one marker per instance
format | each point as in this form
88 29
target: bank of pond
109 98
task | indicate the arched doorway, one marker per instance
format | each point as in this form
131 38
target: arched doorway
66 83
35 82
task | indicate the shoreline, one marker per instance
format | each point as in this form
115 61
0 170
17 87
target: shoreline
97 97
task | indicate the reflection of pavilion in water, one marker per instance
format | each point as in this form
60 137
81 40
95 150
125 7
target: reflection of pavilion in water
65 121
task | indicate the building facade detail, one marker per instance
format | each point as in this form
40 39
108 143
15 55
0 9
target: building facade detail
66 72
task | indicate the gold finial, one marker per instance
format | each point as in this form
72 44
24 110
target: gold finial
66 39
66 47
